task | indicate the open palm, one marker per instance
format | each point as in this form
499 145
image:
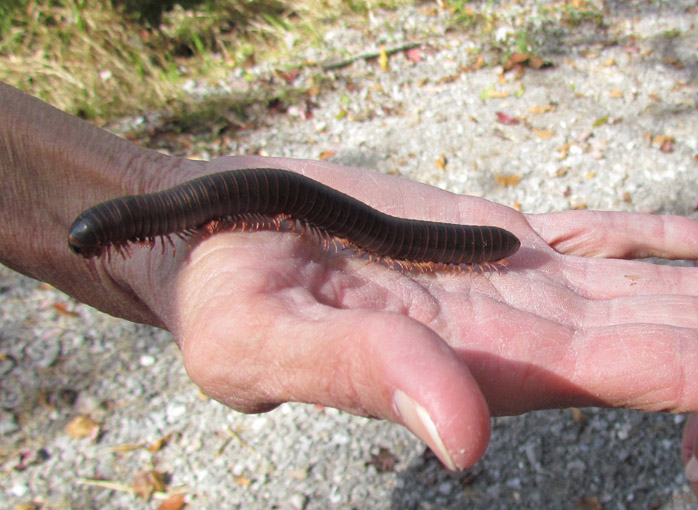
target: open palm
265 317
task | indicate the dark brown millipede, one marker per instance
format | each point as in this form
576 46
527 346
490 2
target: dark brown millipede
273 194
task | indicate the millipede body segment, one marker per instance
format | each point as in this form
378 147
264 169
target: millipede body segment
274 193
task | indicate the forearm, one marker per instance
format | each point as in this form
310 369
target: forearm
53 166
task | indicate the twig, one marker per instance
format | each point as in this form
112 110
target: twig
331 64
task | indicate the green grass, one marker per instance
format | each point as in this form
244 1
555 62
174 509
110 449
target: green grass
101 59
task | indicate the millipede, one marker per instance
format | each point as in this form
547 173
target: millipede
277 195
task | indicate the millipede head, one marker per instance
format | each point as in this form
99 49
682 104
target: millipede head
82 241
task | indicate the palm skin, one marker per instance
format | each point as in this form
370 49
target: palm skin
265 317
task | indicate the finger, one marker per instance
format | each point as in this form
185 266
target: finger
281 345
582 307
605 279
618 234
689 450
641 366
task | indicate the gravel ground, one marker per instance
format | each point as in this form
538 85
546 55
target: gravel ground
611 125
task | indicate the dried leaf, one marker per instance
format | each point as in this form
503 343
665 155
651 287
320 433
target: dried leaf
242 480
516 59
26 506
664 142
600 122
125 447
492 93
383 59
326 154
589 503
147 482
414 54
173 502
504 118
157 445
62 309
31 458
578 207
537 110
507 180
384 461
82 426
616 93
299 474
564 149
441 163
448 79
544 133
536 62
517 206
674 62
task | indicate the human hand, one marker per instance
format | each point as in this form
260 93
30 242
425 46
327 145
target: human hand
264 318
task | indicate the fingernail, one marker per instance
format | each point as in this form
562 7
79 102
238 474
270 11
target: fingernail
692 470
420 423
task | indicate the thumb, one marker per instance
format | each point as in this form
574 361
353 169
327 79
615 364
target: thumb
435 396
379 364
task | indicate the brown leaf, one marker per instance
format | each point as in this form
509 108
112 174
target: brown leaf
174 502
82 426
504 118
516 59
544 133
536 62
26 506
664 142
616 93
589 503
384 461
674 62
62 309
537 110
519 60
326 154
242 480
441 163
157 445
125 447
147 482
507 180
564 150
578 415
414 54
